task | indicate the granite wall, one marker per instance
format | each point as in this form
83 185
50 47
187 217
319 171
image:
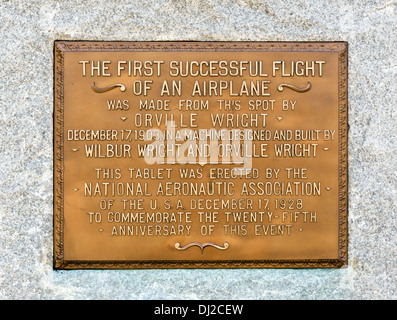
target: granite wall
28 30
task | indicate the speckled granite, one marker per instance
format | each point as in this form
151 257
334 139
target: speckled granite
28 29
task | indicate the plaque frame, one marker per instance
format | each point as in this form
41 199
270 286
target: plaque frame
61 46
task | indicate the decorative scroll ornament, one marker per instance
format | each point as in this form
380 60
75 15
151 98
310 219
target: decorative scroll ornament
202 245
295 88
111 87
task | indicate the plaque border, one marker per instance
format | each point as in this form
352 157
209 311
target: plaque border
62 46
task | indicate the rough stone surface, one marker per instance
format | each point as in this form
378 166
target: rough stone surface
28 29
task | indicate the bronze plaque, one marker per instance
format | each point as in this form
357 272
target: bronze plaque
200 154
